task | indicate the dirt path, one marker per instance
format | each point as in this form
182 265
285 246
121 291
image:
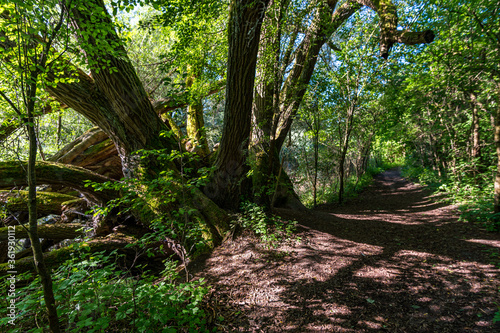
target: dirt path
394 260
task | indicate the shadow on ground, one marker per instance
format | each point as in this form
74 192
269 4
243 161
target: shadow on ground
394 260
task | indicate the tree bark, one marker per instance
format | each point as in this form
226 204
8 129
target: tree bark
245 20
113 98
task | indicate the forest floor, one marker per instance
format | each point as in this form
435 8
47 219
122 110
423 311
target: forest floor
394 259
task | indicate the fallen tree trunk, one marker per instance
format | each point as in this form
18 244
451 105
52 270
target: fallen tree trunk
93 150
55 258
47 202
14 174
57 231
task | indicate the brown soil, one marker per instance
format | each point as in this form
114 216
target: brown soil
393 260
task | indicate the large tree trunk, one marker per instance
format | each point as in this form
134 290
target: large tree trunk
245 20
114 99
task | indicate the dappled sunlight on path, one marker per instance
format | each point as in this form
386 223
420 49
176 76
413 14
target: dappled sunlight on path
394 260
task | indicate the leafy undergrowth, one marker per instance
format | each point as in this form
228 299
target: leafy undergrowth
95 294
271 229
472 194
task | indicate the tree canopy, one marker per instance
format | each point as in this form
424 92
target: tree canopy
165 117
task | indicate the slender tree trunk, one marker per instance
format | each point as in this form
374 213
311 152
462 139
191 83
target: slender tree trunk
476 138
341 176
316 128
40 266
315 181
345 147
496 204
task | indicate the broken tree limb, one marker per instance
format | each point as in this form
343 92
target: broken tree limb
387 12
93 150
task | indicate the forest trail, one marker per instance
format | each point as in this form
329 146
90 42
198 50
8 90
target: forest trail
392 260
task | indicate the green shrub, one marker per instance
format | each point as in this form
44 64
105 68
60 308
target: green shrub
272 230
94 295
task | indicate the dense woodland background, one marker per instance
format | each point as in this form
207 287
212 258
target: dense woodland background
150 129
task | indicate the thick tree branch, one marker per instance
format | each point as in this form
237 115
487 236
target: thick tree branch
164 105
389 34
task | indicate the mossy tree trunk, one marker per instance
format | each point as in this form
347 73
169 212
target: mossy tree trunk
47 202
57 231
14 174
195 123
114 99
